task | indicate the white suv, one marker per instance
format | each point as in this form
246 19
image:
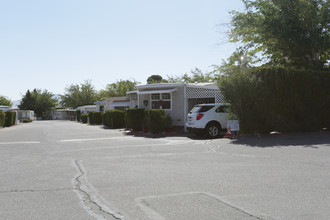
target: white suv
208 119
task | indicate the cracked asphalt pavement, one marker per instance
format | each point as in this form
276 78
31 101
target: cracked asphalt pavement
67 170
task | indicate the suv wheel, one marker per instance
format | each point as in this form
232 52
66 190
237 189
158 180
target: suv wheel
212 130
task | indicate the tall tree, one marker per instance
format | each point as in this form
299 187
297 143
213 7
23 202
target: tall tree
155 79
284 32
78 95
117 89
5 101
237 62
195 75
28 102
200 77
41 102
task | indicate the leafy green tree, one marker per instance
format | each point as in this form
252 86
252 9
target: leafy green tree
5 101
156 79
284 32
27 101
78 95
200 77
269 99
45 101
41 102
117 89
237 62
195 75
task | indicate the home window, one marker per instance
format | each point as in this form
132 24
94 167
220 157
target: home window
155 96
134 96
161 101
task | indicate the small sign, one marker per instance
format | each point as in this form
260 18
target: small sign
233 125
229 133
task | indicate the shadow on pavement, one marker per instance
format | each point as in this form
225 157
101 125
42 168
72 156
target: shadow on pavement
171 133
286 140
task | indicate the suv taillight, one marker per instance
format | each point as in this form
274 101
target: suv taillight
199 116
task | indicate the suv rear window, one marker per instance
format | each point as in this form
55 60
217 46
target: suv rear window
222 109
198 109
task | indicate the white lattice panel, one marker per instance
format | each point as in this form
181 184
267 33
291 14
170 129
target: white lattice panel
205 93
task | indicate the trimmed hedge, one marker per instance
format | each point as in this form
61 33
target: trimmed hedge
156 120
95 118
106 119
84 118
2 118
10 117
103 118
114 119
91 118
27 120
135 118
279 99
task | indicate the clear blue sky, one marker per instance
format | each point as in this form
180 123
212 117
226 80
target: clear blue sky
47 44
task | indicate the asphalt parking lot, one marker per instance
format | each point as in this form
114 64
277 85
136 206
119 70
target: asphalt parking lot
67 170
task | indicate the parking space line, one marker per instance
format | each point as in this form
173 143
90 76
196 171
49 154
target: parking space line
147 155
169 143
110 147
145 207
82 140
20 142
150 212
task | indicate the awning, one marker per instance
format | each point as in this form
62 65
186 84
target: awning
132 92
156 91
100 102
120 104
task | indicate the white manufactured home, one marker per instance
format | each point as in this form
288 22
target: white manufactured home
25 114
176 99
87 108
62 114
113 103
4 108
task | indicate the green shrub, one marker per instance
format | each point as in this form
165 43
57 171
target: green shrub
10 117
95 118
118 118
13 118
168 122
279 99
78 115
114 118
103 118
135 118
2 118
91 117
156 120
27 120
84 118
106 119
